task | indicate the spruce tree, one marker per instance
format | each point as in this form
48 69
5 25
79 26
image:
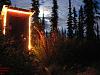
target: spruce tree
69 23
37 22
75 22
35 7
4 2
81 24
54 21
43 22
97 31
90 8
54 17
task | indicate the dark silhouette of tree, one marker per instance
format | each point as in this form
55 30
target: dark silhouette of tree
81 24
46 33
43 22
36 24
97 18
70 25
4 2
54 18
97 31
90 7
75 22
54 21
35 7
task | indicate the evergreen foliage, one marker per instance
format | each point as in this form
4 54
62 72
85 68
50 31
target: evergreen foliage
81 24
35 7
43 22
68 52
97 31
75 22
89 18
54 17
69 22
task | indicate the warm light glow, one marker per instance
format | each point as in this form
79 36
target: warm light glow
41 36
18 11
29 13
29 40
4 13
29 43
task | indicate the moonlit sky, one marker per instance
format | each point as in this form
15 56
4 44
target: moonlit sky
46 5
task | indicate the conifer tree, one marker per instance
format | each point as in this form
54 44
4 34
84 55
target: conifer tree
43 22
97 31
54 21
54 18
81 24
69 23
74 22
90 7
35 7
